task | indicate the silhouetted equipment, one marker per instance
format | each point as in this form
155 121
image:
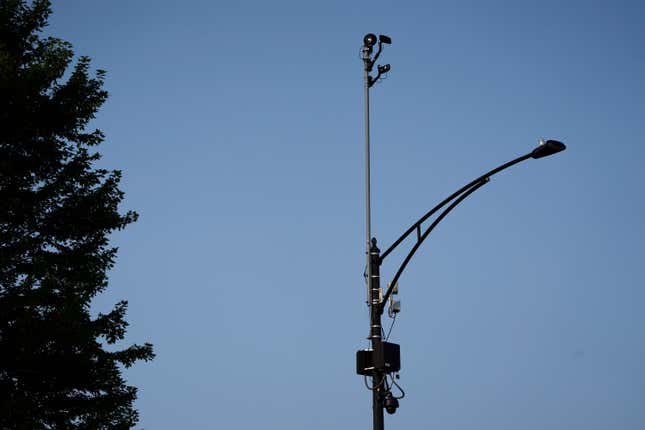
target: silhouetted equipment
369 40
391 403
387 359
384 69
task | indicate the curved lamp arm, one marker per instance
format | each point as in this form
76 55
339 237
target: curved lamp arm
425 234
448 199
544 149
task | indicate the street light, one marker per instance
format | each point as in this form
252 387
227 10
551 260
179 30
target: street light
544 149
384 357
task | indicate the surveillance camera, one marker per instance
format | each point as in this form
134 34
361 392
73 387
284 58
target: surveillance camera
391 403
384 39
384 69
369 40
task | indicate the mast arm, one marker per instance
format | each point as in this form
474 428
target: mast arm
462 197
448 199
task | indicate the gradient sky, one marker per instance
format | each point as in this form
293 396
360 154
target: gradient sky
238 127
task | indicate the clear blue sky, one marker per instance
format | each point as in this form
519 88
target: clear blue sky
238 126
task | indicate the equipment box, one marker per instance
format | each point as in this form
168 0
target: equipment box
387 359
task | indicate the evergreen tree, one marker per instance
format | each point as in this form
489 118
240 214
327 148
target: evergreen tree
56 214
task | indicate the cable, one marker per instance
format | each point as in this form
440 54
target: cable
391 326
374 388
399 387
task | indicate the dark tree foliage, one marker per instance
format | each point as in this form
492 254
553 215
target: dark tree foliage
56 214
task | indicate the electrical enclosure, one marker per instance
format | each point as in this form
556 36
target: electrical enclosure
386 359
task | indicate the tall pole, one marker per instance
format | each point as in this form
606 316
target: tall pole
372 260
368 211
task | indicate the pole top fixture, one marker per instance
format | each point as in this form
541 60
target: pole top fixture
369 40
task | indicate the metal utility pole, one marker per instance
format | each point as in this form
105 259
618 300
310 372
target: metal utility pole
384 358
373 259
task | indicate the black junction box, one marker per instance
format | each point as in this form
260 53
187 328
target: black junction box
387 359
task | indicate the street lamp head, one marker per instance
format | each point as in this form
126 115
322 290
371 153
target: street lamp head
369 40
384 39
547 148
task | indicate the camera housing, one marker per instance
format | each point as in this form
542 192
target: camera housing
369 40
391 403
384 69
